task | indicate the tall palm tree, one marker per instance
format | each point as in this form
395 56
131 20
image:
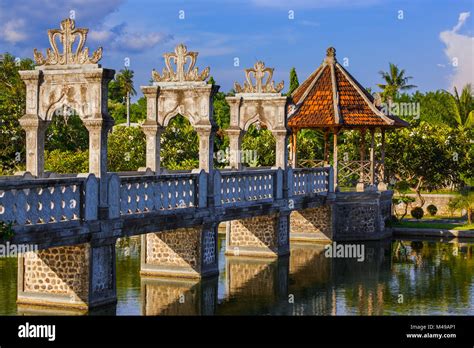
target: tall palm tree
395 81
464 105
125 81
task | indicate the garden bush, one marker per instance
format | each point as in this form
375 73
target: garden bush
432 209
417 213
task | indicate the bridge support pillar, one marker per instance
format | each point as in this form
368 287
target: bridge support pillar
77 277
260 236
183 252
312 224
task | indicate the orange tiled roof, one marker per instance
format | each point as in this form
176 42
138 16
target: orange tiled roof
331 97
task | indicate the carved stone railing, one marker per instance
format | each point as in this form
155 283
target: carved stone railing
150 193
248 186
305 181
28 202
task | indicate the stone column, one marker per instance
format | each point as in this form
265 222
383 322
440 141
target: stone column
261 236
235 144
152 128
184 253
153 146
281 148
77 277
206 148
35 129
98 133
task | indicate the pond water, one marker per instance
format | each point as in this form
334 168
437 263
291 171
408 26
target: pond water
397 277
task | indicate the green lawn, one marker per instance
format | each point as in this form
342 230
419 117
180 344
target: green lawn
437 225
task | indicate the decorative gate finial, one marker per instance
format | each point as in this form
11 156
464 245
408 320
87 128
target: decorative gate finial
68 34
180 58
259 71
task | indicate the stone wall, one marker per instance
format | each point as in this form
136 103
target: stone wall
186 252
78 276
439 200
265 236
361 215
312 224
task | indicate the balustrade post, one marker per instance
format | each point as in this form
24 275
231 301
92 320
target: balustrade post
278 184
217 188
91 199
330 179
202 189
289 183
114 196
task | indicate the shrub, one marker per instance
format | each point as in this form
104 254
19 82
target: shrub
126 149
64 162
417 213
432 209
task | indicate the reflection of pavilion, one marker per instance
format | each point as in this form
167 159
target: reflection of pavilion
161 296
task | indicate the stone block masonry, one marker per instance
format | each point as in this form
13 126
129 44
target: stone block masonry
183 252
262 236
77 277
312 224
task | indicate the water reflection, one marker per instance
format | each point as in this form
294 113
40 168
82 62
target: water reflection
399 277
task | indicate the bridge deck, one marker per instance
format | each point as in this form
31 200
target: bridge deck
64 211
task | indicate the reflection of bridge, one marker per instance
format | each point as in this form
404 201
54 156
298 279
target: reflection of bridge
76 219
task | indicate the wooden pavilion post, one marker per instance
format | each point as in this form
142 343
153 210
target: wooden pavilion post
382 185
294 136
372 157
335 166
361 184
326 147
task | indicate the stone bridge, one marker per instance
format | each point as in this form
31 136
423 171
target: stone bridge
75 220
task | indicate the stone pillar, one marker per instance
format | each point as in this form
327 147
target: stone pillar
153 146
206 148
312 224
260 236
98 133
183 253
281 148
235 144
35 129
76 277
152 128
162 296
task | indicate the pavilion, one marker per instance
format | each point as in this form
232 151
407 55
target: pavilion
331 100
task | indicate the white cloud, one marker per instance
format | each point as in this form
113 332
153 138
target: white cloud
13 31
460 51
137 42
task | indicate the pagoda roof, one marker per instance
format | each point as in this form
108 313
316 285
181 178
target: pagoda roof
332 98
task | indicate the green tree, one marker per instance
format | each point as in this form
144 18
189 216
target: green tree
395 81
294 83
463 106
12 108
126 149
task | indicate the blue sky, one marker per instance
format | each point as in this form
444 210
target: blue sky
431 36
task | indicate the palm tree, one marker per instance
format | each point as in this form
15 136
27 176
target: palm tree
464 105
125 82
395 81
